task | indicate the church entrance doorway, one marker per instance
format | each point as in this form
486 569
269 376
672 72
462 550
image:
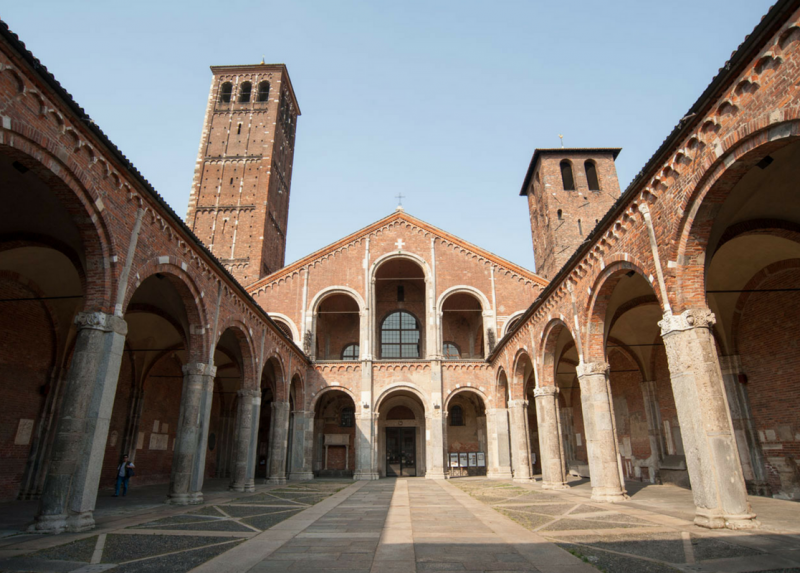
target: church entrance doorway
401 452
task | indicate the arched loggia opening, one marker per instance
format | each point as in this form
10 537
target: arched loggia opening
462 330
745 240
400 305
401 435
338 328
334 434
466 444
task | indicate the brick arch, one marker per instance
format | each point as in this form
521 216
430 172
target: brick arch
487 401
597 307
297 383
767 272
742 150
465 289
184 284
12 241
624 349
242 334
320 297
548 345
520 380
73 189
280 369
388 392
772 227
327 390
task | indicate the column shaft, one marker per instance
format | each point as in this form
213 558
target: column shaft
520 453
712 457
278 442
550 448
601 438
366 443
70 487
499 454
302 446
243 441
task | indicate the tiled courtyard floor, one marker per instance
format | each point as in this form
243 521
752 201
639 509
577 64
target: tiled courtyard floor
412 525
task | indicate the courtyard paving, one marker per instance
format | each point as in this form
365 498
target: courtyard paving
407 525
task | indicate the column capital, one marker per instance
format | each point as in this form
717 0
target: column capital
248 393
687 320
279 405
592 368
199 369
540 391
517 403
101 321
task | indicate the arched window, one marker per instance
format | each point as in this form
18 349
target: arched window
284 327
450 351
456 416
347 419
591 175
566 176
350 352
263 91
400 336
244 92
225 92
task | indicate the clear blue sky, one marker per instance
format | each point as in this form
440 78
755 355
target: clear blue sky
442 101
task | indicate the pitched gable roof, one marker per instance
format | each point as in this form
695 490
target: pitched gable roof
395 217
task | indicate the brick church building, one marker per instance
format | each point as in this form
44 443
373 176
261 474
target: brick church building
654 343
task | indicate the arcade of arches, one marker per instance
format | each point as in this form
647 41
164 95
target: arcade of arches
664 351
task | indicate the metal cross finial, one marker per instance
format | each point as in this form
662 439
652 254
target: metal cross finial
561 137
400 198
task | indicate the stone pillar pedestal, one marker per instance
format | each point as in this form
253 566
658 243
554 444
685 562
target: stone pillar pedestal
712 457
70 487
554 475
498 457
243 453
434 423
278 442
302 446
366 447
520 452
601 436
192 433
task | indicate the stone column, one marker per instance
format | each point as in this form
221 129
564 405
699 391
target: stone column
601 436
242 479
252 457
499 454
434 447
197 377
750 452
302 446
278 443
520 452
553 472
652 412
366 443
70 487
712 457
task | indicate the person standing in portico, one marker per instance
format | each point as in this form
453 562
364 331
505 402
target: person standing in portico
124 473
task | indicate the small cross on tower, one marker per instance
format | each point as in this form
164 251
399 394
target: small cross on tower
400 198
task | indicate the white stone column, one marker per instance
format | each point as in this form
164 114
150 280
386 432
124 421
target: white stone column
499 454
601 437
652 412
241 480
199 463
302 446
70 487
712 457
434 447
553 470
278 443
520 452
366 443
252 457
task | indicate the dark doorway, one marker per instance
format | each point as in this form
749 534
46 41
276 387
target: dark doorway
401 452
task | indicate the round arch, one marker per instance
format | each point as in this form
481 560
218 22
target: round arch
290 323
487 401
510 321
485 304
547 347
327 390
245 343
336 289
400 255
387 392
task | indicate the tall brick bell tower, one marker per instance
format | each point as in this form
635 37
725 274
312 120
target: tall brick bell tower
569 191
239 205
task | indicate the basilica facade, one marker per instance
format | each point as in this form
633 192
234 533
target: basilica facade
656 341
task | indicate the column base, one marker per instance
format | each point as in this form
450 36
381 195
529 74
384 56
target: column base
83 521
435 474
196 498
54 524
499 473
277 480
237 487
605 495
554 485
365 475
179 499
301 476
524 479
250 485
713 520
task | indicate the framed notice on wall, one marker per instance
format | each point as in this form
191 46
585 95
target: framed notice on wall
481 460
462 459
454 460
473 459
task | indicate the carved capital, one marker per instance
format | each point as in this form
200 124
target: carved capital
687 320
540 391
101 321
247 393
517 403
199 369
592 368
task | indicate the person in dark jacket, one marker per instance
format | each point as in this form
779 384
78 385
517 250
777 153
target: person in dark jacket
124 473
